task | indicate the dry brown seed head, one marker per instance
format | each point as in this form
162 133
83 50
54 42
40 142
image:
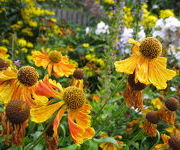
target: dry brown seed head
172 104
78 74
174 142
152 117
17 111
136 86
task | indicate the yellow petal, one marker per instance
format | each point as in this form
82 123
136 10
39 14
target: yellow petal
43 113
142 71
158 74
126 66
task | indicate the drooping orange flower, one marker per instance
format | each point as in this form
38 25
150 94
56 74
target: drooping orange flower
53 62
133 93
14 122
167 112
73 101
19 84
146 63
150 124
77 79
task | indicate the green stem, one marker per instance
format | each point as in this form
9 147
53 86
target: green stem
123 108
157 141
40 137
112 94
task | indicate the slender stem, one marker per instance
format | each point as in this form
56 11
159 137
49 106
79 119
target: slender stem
123 108
112 94
44 131
157 141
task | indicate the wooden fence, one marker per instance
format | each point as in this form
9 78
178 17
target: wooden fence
71 16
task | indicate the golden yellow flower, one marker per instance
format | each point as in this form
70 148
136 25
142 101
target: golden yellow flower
166 13
146 63
19 84
74 102
53 61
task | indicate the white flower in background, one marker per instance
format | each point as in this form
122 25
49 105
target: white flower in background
141 34
169 30
87 30
175 51
172 24
126 35
173 89
102 28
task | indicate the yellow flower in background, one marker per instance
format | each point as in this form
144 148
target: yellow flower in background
128 19
53 19
148 20
109 2
33 23
22 42
3 52
29 45
166 13
157 103
27 31
53 62
147 64
85 45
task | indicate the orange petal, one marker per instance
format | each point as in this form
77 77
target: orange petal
43 113
57 120
75 130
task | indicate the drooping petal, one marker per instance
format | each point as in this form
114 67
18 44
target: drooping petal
126 66
8 74
76 131
43 113
57 120
40 58
142 71
159 74
64 69
89 133
50 67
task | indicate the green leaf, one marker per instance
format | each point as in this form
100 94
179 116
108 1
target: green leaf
72 147
108 139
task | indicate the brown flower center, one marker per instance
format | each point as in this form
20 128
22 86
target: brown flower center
28 75
55 56
152 117
151 48
172 103
174 142
17 111
74 97
78 74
